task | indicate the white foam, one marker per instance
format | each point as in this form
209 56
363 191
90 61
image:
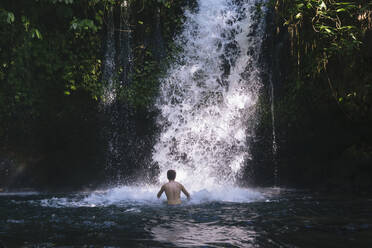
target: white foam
227 194
125 196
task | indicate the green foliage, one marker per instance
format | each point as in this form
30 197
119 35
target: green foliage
35 33
6 16
323 105
51 61
166 3
144 82
327 51
334 24
50 52
83 25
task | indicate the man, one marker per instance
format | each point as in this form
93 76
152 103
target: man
173 189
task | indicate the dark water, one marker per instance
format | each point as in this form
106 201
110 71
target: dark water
287 219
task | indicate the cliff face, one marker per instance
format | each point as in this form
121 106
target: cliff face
61 64
323 99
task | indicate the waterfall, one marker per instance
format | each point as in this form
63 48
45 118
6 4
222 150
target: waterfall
274 144
109 96
108 72
208 98
125 37
116 71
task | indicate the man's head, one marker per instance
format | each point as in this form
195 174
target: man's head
171 174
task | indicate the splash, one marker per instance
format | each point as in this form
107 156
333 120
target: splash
130 197
208 98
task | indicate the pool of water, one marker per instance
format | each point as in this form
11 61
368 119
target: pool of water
121 218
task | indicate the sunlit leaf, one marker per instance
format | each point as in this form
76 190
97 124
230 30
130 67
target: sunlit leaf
37 34
10 18
323 6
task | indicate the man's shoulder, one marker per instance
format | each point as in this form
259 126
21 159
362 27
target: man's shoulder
179 184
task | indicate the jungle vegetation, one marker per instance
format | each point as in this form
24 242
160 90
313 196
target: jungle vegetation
52 86
320 54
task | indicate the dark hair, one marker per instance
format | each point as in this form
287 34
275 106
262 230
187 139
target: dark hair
171 174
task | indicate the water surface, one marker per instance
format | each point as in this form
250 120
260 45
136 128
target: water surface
271 218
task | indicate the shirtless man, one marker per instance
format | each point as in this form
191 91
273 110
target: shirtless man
173 189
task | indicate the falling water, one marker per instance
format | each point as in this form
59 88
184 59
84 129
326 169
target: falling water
109 96
274 144
109 60
208 98
116 70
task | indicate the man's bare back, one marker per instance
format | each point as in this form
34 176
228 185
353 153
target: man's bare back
173 190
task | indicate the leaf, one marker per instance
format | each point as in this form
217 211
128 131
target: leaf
140 22
10 18
350 4
323 6
299 6
26 22
84 24
67 93
341 10
38 34
298 16
74 25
